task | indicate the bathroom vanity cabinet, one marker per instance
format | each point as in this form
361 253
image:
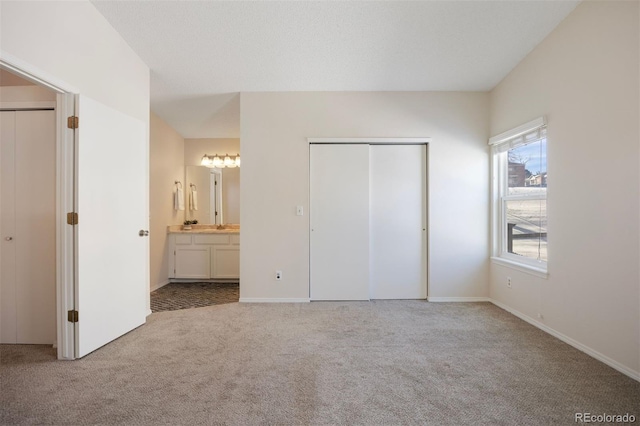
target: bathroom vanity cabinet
194 256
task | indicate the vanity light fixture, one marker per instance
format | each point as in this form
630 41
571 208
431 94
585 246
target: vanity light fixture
216 161
206 161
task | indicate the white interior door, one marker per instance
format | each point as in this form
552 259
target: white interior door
398 237
28 227
339 222
112 204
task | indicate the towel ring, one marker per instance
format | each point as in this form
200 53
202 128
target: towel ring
193 186
178 183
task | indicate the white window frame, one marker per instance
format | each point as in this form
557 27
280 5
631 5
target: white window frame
500 145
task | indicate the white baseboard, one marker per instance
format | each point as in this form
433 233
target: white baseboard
159 285
458 299
568 340
272 300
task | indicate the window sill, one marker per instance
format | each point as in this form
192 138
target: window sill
527 269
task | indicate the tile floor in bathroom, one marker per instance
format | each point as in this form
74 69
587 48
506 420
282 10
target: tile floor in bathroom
175 296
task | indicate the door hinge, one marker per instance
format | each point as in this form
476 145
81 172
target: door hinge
73 122
72 316
72 218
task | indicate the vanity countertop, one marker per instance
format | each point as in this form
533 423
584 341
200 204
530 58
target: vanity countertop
204 229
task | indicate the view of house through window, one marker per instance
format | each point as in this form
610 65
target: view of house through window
525 201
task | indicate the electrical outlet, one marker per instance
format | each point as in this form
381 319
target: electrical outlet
299 211
278 275
508 282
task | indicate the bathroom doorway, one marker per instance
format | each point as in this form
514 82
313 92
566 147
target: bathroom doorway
199 266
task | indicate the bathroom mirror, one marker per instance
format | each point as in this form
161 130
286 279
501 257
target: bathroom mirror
215 203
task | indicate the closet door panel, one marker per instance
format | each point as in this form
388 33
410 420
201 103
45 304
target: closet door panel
398 221
35 226
7 228
339 222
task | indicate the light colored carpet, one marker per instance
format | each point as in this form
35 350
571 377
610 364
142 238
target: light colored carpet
385 362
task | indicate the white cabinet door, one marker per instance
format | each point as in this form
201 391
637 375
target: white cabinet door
225 262
113 206
339 222
192 262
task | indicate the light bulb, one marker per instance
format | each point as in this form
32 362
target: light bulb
217 162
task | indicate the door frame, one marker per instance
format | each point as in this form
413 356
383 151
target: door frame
66 199
215 200
381 141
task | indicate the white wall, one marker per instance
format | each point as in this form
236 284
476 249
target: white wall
73 43
275 178
26 94
584 77
166 165
194 149
217 115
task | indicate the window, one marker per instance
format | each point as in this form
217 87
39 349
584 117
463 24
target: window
519 178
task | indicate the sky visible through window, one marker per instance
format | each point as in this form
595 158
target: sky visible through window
533 155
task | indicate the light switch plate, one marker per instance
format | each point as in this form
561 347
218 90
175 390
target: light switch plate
299 211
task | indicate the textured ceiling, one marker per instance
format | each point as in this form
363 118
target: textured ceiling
200 53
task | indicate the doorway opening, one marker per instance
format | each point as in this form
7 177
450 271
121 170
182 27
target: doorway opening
101 259
36 252
203 260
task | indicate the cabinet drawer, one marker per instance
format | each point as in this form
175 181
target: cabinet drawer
235 239
183 239
211 239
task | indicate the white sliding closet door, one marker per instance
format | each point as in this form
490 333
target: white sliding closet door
28 250
398 234
339 222
8 288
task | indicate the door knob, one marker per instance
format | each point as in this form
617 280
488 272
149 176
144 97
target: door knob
9 238
143 233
